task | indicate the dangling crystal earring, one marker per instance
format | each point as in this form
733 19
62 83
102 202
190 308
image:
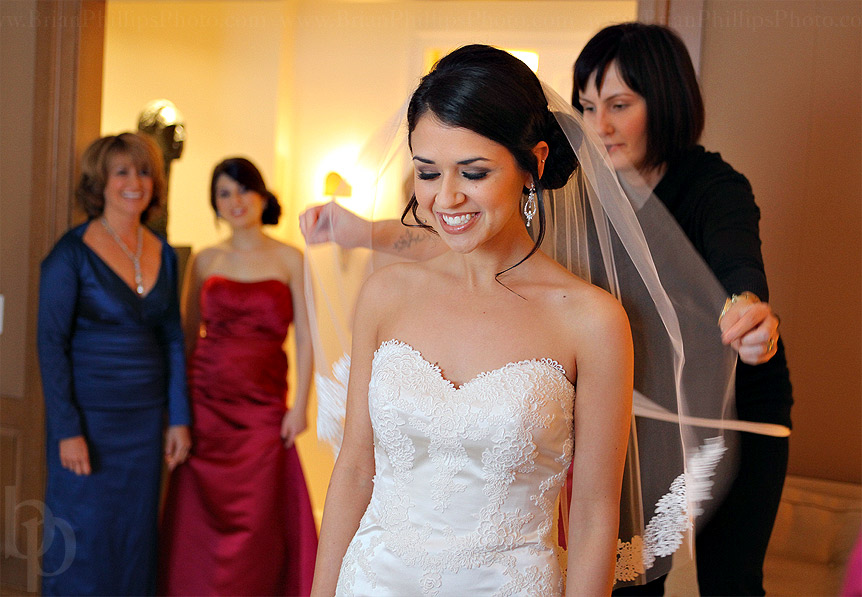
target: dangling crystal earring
530 206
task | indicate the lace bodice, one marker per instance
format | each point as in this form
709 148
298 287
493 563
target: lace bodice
466 480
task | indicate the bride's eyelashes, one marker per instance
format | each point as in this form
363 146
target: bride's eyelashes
479 175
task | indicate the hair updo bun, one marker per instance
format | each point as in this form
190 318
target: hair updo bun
561 160
271 211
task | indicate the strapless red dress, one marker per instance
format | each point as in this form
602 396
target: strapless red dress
237 518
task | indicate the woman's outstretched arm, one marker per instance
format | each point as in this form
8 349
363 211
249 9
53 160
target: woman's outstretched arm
332 223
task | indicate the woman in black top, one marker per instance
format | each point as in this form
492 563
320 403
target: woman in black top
636 85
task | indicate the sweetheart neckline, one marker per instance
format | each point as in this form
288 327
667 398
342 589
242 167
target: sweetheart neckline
552 364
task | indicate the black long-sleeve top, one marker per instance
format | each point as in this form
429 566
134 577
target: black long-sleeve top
714 205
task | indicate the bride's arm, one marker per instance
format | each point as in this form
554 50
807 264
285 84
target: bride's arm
602 422
351 482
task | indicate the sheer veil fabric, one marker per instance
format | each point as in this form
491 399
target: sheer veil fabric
616 234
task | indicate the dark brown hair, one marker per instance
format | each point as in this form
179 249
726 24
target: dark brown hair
654 62
246 175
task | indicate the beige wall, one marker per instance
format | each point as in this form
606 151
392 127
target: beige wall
783 88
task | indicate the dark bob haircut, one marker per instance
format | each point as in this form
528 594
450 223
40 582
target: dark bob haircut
96 160
654 62
490 92
246 175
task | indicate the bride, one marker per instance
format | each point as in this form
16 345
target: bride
461 411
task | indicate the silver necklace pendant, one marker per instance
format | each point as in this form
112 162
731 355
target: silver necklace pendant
135 258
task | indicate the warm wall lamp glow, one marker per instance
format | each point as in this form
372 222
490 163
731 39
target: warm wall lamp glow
336 186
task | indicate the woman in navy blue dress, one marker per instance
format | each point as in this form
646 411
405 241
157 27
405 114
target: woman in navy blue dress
111 357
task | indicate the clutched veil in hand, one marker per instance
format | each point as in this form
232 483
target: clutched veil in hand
616 234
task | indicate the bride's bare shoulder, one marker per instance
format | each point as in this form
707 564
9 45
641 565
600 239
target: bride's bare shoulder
585 309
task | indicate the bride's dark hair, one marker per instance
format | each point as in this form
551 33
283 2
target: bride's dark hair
490 92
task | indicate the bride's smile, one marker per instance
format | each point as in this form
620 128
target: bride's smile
470 184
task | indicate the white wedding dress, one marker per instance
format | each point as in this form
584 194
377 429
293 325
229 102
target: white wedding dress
466 480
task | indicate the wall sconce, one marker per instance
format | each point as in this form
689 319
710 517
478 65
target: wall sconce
336 186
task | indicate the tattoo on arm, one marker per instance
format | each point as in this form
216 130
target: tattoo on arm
408 239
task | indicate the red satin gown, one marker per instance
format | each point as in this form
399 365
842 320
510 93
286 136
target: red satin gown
237 517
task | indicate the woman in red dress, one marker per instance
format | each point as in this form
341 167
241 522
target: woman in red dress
237 519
